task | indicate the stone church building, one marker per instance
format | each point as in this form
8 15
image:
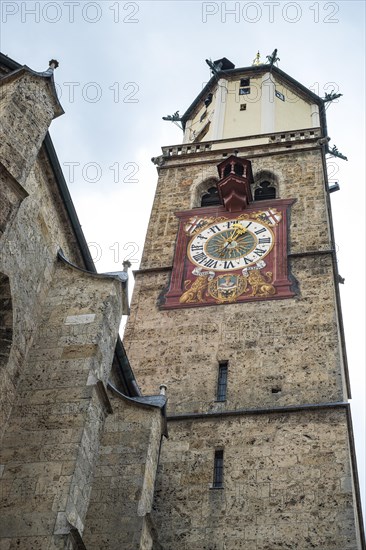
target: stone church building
235 310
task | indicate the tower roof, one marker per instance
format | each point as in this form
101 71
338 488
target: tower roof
254 70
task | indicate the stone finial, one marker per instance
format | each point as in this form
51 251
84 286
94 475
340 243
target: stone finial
257 60
126 264
53 64
163 389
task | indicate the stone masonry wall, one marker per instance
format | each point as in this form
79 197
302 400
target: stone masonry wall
287 483
300 176
28 257
27 107
35 229
123 489
287 476
271 363
290 346
11 195
51 440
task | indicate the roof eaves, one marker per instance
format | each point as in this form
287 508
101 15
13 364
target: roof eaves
47 75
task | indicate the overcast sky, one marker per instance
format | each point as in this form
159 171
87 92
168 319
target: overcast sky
124 65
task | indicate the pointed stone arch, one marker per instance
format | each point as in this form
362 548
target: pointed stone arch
265 185
200 189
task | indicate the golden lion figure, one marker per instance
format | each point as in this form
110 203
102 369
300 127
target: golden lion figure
194 291
261 285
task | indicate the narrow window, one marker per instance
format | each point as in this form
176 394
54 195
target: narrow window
218 476
227 170
222 381
238 169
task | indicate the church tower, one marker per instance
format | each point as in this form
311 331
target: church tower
236 308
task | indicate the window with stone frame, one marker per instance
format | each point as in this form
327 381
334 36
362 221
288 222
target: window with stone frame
222 381
218 473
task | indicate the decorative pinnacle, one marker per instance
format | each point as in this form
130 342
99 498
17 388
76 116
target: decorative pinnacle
53 64
257 60
163 389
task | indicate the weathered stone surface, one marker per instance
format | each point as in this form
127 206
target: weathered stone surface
11 196
27 106
282 483
299 355
300 176
34 478
27 257
123 489
70 472
58 330
285 475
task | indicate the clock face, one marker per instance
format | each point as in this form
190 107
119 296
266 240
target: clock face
230 257
230 245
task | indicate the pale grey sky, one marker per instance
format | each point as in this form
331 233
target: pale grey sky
124 65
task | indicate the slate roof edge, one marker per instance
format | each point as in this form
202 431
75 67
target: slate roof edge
146 401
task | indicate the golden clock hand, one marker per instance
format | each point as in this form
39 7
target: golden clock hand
239 230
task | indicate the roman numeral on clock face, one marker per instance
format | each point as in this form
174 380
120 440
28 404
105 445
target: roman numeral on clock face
211 263
230 244
200 257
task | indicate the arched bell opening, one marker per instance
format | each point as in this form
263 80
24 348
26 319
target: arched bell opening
265 186
211 198
205 193
265 191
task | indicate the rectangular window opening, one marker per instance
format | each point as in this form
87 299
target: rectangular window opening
244 82
244 91
243 107
218 476
222 381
